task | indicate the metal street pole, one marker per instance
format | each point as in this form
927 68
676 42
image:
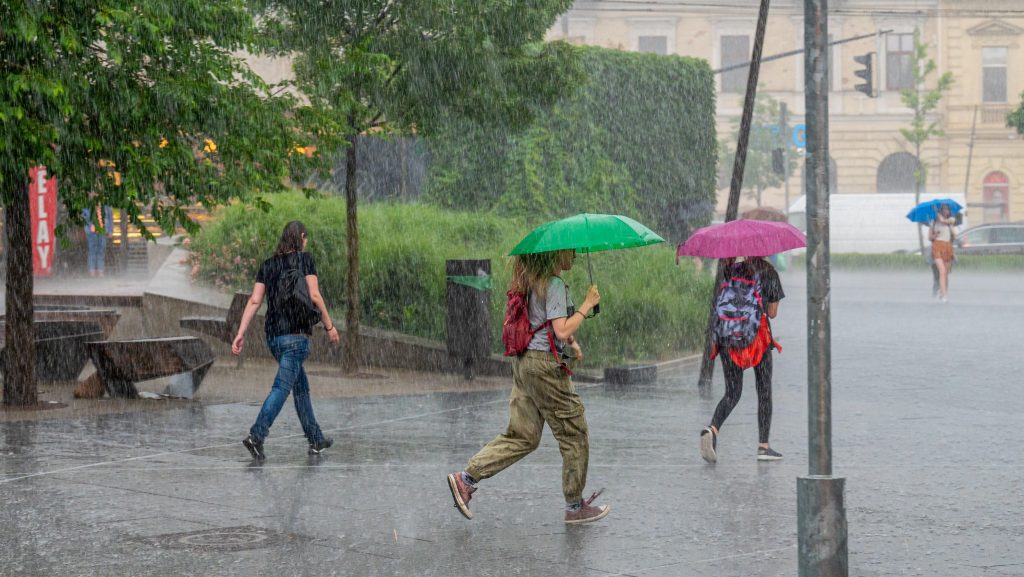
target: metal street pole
783 123
821 510
707 366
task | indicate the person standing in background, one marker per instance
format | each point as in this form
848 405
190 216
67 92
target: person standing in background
99 226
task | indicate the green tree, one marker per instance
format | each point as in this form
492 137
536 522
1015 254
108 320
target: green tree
1015 119
383 68
922 101
766 135
143 84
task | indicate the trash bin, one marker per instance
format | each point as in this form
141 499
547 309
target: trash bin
468 296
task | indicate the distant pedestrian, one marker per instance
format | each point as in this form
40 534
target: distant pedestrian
942 234
287 337
751 289
542 390
99 226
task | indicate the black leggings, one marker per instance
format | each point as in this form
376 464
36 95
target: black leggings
734 388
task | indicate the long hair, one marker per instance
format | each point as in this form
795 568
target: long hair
291 238
531 272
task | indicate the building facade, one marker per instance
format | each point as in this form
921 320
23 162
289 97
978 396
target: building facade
981 42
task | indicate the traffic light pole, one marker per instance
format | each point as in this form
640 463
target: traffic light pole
800 51
821 509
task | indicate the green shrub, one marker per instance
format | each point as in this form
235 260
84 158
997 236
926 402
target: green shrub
652 309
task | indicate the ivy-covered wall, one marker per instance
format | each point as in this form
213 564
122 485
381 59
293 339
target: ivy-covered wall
637 137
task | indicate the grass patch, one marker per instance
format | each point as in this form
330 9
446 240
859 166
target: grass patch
651 308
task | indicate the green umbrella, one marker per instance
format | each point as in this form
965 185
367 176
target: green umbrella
587 233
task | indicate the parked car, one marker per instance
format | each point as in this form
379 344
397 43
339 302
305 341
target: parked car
994 238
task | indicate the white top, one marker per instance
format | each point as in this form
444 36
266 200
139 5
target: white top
945 232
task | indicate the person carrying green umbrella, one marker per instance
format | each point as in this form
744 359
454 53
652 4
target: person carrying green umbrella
542 390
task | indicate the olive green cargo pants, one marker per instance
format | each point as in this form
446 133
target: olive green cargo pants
541 393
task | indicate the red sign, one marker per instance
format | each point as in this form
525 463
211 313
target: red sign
42 199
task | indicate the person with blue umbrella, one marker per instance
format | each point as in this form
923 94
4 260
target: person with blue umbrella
938 213
942 234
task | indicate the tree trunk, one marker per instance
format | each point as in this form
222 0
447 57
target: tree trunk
918 174
403 178
352 348
19 357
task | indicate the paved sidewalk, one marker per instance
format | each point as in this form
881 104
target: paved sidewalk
927 432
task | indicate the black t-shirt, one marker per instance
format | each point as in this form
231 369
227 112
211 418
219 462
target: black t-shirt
771 286
277 324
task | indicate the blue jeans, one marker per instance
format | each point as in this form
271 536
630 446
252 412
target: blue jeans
290 351
97 247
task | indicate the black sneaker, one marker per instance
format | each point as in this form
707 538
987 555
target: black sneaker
708 445
255 448
317 448
768 454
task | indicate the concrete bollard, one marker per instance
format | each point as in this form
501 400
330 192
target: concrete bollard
821 526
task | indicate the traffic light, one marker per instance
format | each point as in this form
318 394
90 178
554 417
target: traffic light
867 73
778 162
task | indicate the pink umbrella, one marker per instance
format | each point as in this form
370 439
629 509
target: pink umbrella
742 238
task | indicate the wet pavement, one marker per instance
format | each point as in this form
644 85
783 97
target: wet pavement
927 431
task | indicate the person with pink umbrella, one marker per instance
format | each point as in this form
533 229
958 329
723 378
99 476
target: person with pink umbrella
746 300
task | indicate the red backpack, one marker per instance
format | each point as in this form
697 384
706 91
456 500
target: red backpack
516 333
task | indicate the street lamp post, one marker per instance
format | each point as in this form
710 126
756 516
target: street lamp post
821 511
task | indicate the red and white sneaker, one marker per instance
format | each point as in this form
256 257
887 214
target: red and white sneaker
462 492
586 513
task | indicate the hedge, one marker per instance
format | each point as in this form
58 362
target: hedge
651 308
638 137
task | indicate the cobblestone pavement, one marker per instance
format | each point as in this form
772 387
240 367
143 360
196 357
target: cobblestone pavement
927 430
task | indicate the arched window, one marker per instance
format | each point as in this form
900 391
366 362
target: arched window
896 173
995 196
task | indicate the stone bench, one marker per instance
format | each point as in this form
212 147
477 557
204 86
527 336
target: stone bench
61 351
106 318
221 328
121 364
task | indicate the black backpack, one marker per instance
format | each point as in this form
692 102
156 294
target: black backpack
738 307
292 298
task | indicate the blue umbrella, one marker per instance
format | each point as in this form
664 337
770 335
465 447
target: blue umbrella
926 212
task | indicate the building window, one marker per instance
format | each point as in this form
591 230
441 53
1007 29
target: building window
653 44
899 58
995 197
896 173
993 76
735 50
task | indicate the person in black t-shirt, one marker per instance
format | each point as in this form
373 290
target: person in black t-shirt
288 340
757 355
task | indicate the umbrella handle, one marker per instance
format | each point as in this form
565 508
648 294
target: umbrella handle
596 309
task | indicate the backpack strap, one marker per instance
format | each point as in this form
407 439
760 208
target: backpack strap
551 339
554 351
764 313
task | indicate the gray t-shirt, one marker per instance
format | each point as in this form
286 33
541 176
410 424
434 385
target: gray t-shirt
557 305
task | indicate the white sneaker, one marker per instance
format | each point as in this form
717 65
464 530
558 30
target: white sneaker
708 445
